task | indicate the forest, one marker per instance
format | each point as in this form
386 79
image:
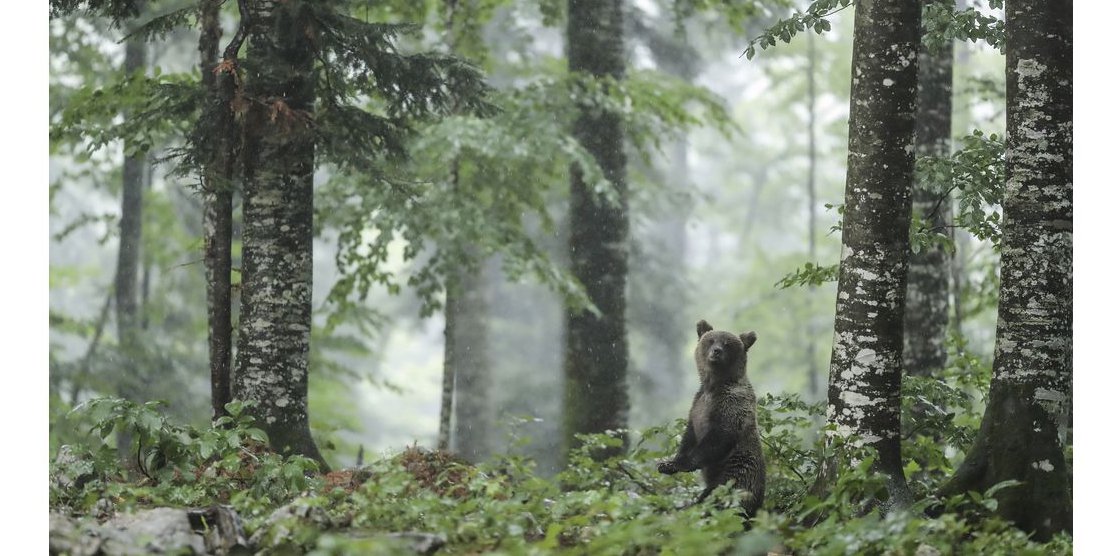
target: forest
561 276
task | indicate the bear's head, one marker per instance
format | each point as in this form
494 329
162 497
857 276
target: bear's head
721 356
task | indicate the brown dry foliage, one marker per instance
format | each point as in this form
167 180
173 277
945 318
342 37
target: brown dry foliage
441 472
346 479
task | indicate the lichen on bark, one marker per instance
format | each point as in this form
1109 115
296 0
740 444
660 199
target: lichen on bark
866 368
275 327
1023 430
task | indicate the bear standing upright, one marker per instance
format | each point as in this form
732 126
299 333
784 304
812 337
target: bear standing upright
722 435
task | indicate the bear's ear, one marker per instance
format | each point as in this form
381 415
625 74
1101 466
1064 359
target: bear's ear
702 326
748 339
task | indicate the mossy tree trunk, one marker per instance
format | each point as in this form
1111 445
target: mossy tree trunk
927 284
596 358
1022 433
275 325
865 373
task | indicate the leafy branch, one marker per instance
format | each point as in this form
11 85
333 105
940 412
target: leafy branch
976 172
815 18
812 274
941 24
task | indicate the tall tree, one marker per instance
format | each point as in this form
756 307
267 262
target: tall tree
811 187
927 284
865 373
466 409
658 293
467 354
1022 433
279 152
596 358
217 195
125 291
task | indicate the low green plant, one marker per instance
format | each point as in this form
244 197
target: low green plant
169 463
596 505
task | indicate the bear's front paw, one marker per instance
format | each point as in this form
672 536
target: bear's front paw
667 467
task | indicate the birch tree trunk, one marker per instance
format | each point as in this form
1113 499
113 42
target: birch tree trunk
596 358
927 284
865 372
1023 431
275 327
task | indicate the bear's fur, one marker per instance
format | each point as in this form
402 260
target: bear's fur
722 437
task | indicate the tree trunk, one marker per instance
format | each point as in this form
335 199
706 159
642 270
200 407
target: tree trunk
126 291
447 383
466 402
665 362
467 354
596 358
666 317
275 326
865 373
811 186
130 384
217 198
927 284
146 256
1023 431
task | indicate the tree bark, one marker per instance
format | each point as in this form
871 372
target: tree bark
131 386
596 358
811 186
1023 430
467 354
217 198
466 401
663 365
865 373
927 284
275 327
126 292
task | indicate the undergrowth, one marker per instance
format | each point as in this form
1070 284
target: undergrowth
617 506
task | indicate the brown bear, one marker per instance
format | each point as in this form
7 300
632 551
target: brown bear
722 437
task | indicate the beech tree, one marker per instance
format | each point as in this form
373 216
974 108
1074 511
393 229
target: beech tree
218 131
1022 434
658 294
595 352
927 283
275 325
466 409
865 372
307 62
466 353
126 291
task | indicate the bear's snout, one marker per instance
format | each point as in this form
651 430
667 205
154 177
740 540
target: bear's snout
715 355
